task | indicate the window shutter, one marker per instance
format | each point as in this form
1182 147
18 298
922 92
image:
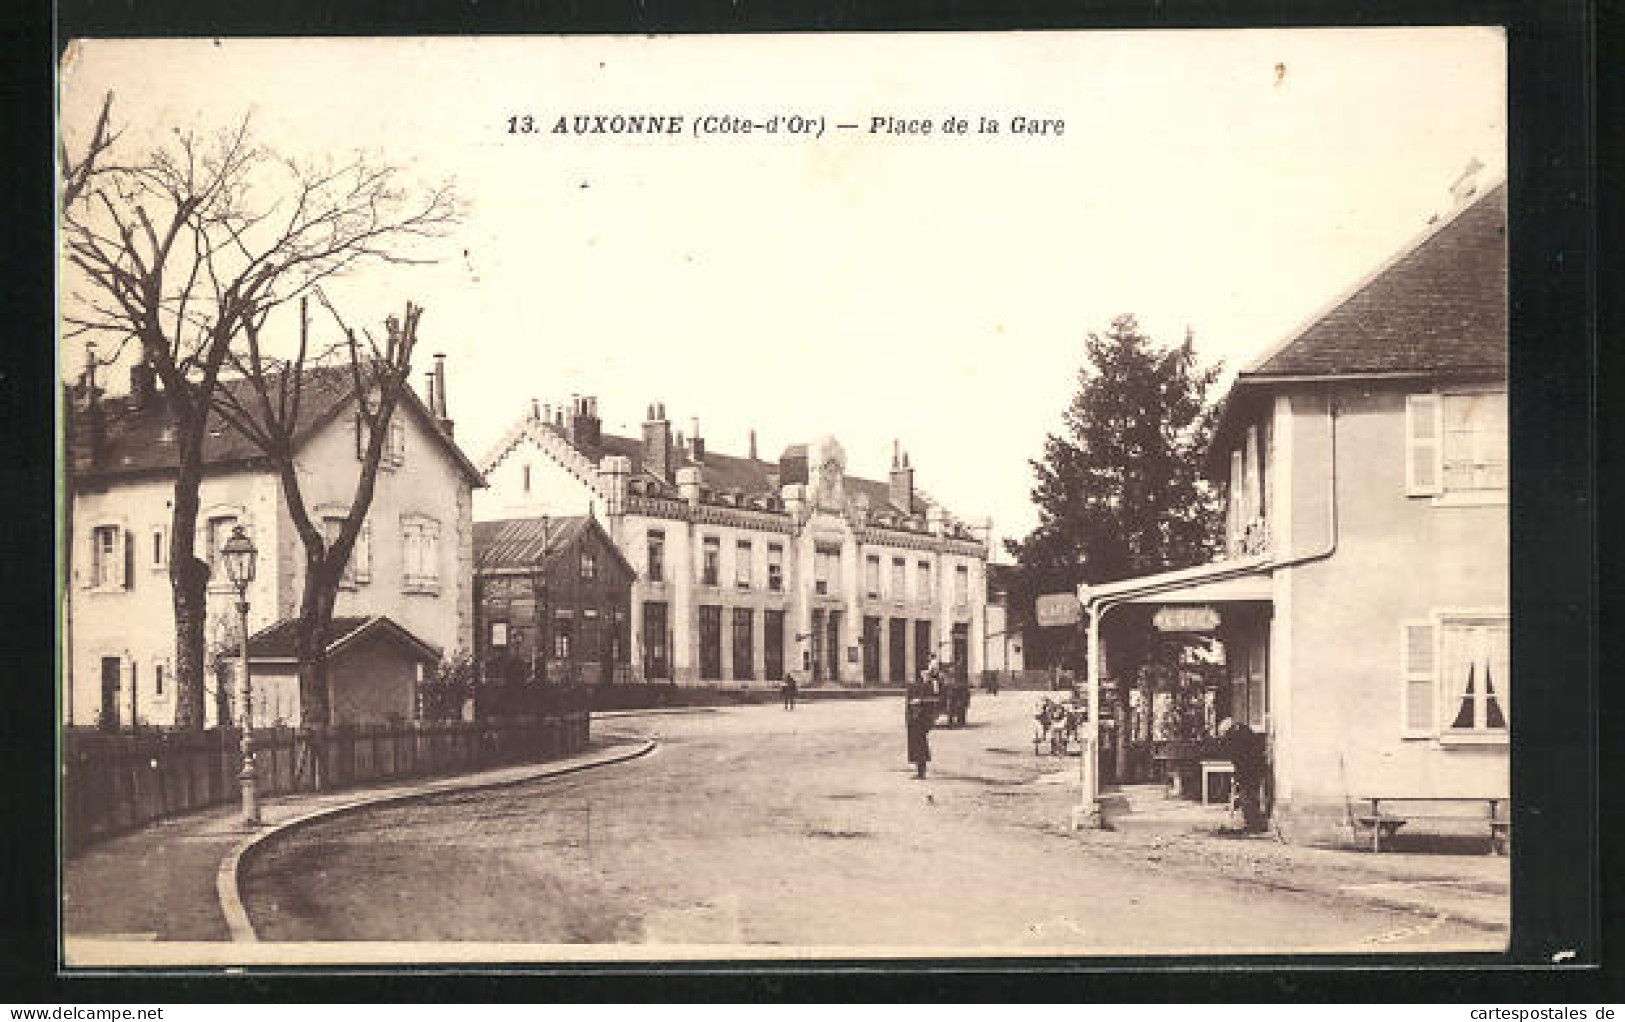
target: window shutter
1418 652
1424 447
122 554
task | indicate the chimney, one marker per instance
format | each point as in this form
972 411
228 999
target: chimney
143 386
699 444
585 429
535 410
793 465
753 445
657 459
613 473
90 425
439 405
902 480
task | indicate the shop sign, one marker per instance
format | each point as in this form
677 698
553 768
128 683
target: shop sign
1186 619
1058 609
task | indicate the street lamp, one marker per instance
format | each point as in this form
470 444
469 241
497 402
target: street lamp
239 555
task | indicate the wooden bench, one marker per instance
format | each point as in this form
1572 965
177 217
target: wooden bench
1385 822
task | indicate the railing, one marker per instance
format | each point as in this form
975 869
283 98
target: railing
112 783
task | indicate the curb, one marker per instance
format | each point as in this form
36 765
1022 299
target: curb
227 875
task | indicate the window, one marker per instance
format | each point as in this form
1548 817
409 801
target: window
773 644
499 633
826 569
561 638
395 450
158 680
775 567
420 553
394 453
158 548
1457 678
742 565
1456 443
961 585
588 649
871 575
710 565
217 530
332 525
923 581
589 566
899 577
527 480
1475 442
657 555
107 557
744 648
711 643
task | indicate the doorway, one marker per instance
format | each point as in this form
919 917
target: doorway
111 667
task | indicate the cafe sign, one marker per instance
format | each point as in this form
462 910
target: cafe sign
1186 619
1058 609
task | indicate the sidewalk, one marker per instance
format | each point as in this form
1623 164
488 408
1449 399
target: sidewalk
159 883
1180 835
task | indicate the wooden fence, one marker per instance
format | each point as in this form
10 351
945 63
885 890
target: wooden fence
114 782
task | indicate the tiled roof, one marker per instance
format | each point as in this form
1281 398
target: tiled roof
276 641
138 440
1440 305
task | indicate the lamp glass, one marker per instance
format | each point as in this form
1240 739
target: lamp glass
239 554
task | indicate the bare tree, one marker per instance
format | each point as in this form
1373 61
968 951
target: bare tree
179 251
266 407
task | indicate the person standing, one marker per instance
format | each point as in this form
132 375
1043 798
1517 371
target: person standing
1245 747
789 689
919 709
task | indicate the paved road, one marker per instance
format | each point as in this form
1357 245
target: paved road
754 826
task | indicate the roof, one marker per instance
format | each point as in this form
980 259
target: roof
1436 308
1440 304
140 440
528 543
722 473
276 641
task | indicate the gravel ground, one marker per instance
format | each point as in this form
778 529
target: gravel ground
757 828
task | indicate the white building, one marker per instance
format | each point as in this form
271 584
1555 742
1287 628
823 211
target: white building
748 567
412 564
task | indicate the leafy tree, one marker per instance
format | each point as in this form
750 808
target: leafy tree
1119 491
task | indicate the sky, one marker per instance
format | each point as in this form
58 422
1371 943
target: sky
874 286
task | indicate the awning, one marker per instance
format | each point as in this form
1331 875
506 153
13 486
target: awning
1241 580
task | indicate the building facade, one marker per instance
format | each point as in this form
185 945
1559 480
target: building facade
412 564
553 601
748 568
1363 600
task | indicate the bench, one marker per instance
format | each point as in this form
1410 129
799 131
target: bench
1385 822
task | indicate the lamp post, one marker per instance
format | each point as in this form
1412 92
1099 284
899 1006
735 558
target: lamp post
239 555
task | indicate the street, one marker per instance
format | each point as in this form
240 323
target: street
762 828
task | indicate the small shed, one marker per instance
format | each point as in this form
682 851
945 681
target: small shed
374 667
